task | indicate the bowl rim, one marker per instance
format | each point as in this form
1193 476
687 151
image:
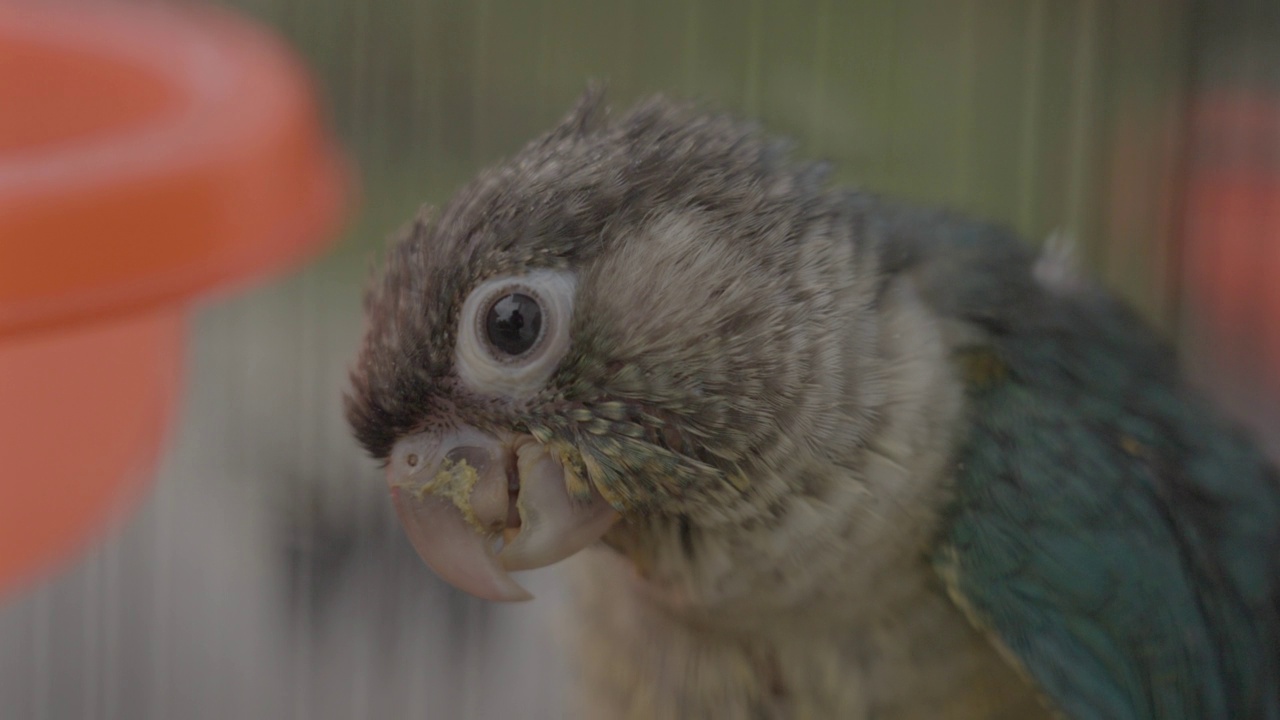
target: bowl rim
241 166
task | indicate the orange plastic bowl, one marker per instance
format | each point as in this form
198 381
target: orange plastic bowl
148 155
1232 226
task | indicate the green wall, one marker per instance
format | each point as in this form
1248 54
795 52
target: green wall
1046 114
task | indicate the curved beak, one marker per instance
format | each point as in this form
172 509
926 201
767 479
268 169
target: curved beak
477 506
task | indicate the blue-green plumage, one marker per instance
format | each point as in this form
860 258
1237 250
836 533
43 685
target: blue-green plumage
1121 541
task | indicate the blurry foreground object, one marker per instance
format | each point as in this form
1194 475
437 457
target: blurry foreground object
148 155
1233 225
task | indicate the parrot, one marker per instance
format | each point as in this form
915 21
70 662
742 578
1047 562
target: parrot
810 451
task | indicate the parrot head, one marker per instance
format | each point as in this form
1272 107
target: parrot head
635 327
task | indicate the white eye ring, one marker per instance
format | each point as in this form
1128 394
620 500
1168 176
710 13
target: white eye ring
486 370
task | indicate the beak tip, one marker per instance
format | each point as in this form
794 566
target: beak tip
451 548
502 589
522 596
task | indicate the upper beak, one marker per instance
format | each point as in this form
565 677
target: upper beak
476 506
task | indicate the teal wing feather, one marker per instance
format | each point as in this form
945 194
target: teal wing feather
1114 535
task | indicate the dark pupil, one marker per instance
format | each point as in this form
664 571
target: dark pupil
513 323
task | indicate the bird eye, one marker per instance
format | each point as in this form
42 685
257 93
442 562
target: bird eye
514 323
514 331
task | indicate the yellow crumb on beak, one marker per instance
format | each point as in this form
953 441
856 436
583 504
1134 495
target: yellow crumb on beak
454 481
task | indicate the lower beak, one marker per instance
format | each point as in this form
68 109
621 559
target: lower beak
477 506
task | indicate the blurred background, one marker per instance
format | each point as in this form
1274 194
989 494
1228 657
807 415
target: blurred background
265 578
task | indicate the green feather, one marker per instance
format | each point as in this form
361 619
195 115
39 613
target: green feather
1119 540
